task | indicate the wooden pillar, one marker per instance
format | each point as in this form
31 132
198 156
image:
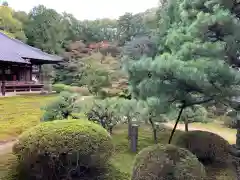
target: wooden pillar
25 73
40 74
30 72
3 88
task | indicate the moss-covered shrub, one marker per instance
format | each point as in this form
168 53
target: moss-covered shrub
59 87
167 162
79 90
230 122
57 149
230 119
207 146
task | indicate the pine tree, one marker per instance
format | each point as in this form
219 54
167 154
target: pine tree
198 45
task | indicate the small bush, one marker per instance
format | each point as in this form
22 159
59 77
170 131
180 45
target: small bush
108 92
207 146
61 108
96 79
112 50
63 149
230 122
105 112
230 119
59 87
79 90
167 162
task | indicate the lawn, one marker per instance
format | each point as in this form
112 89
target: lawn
20 113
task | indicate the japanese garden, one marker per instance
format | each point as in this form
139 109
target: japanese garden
147 96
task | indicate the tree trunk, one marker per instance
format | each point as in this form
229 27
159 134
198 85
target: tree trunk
154 131
186 124
111 130
175 126
155 136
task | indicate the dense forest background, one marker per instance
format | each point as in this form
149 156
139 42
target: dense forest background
52 32
79 42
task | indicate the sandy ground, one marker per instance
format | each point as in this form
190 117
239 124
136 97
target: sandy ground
6 147
182 128
228 134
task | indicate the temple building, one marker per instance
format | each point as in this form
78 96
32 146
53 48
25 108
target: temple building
21 66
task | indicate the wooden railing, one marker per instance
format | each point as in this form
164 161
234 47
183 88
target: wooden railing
21 86
21 82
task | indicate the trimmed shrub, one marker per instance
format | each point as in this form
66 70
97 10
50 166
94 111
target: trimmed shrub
59 87
230 119
230 122
62 107
79 90
105 112
167 162
63 149
208 147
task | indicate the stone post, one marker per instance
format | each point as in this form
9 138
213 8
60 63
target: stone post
134 138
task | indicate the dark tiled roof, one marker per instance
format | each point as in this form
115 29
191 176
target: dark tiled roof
17 51
11 57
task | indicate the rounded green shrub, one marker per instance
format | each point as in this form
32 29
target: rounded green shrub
230 119
62 107
208 147
230 122
65 148
59 88
167 162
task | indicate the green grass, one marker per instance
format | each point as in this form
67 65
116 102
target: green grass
20 113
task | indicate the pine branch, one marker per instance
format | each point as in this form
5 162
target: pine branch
199 102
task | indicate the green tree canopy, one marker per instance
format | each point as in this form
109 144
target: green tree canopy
129 26
198 45
10 25
46 29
